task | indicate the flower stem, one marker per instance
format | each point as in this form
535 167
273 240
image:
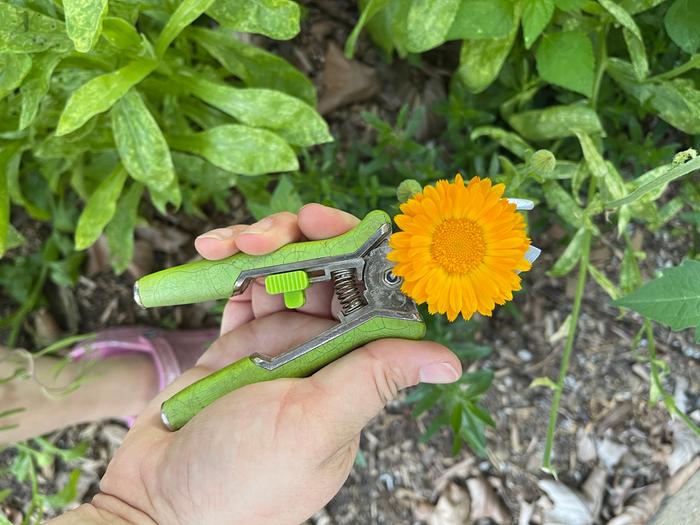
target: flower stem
564 367
656 379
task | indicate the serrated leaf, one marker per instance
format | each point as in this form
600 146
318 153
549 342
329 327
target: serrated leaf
36 85
13 69
483 19
99 209
682 23
672 299
142 147
566 59
120 230
428 23
100 93
278 19
84 22
187 12
536 16
26 31
240 149
368 10
253 65
556 122
570 256
292 119
480 61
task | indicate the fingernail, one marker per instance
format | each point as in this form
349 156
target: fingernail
259 227
220 234
438 373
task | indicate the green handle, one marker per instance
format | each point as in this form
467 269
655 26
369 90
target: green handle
209 280
184 405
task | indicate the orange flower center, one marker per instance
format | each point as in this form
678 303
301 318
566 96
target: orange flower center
458 245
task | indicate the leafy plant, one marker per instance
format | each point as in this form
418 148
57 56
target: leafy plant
606 86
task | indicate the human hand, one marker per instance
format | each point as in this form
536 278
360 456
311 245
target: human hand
272 452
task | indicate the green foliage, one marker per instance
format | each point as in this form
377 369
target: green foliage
672 299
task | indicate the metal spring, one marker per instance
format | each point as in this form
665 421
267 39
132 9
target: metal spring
347 290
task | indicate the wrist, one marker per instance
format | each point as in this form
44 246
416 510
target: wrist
104 510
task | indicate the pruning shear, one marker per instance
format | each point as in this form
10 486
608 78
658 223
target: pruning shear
372 305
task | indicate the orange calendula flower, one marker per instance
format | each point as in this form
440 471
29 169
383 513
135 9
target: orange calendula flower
461 247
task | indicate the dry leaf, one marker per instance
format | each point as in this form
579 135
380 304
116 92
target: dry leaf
610 453
452 508
586 447
345 81
594 490
485 502
97 257
569 506
686 444
642 507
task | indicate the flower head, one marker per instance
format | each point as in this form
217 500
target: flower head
461 247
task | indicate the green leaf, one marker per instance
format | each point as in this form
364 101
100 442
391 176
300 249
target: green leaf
100 93
388 27
559 199
284 198
545 382
638 54
254 66
120 230
566 59
369 9
240 149
67 494
26 31
622 17
99 209
536 16
637 6
630 276
556 122
605 283
594 159
570 256
482 19
120 33
506 139
13 69
682 23
675 101
141 144
84 22
570 5
5 155
36 85
672 299
278 19
187 12
292 119
656 181
480 61
428 23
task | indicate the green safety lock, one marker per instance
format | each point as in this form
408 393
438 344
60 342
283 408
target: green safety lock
291 284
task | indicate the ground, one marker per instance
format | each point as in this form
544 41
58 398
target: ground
615 452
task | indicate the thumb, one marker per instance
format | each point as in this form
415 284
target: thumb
358 385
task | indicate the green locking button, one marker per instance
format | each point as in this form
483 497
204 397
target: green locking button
291 284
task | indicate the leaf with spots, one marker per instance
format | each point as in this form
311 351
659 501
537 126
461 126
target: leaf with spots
84 22
26 31
278 19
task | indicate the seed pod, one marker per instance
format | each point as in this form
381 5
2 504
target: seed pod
407 189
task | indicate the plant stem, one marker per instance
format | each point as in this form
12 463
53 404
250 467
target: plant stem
669 402
602 64
27 306
564 367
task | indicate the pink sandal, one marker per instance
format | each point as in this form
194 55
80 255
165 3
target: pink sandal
172 351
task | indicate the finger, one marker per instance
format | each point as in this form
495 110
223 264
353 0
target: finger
219 243
237 312
353 389
317 221
269 234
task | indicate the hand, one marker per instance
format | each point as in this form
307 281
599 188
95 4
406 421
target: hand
273 452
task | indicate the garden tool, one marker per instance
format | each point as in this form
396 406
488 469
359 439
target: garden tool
372 305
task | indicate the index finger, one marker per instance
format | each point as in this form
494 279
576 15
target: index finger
317 221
